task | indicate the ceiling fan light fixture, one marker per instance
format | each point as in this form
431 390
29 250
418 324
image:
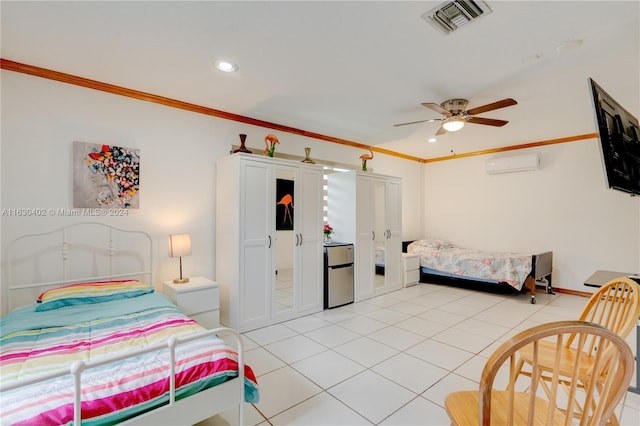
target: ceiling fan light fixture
453 124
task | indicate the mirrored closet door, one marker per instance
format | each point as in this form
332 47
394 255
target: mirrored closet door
365 209
268 240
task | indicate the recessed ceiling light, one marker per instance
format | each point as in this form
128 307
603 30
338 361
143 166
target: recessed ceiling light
226 66
431 140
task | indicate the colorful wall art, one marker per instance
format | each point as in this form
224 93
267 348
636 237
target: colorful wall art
105 176
284 205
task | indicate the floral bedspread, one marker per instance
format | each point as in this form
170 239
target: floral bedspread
441 256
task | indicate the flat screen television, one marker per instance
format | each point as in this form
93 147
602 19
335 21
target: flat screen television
618 132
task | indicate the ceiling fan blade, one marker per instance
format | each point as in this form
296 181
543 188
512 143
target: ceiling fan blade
487 121
490 107
441 131
436 108
416 122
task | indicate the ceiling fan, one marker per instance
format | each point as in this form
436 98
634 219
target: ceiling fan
456 114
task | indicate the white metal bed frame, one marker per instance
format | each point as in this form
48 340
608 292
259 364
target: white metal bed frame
187 410
55 255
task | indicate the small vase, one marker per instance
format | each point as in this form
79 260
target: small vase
364 165
327 238
307 158
243 148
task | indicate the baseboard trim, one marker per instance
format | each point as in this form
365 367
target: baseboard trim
573 292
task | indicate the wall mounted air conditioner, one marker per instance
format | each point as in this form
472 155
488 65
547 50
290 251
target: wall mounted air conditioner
516 163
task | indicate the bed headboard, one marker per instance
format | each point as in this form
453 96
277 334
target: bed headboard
405 244
76 253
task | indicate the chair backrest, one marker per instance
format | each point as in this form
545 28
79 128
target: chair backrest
616 306
598 399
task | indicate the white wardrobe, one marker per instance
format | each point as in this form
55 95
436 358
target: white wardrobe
366 209
267 275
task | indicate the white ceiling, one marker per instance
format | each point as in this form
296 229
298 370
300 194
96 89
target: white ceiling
349 70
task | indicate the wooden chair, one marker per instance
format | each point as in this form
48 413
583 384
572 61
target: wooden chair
489 406
616 306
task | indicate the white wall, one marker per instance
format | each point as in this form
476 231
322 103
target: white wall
564 207
178 149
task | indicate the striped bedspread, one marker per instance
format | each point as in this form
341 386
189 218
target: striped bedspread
33 343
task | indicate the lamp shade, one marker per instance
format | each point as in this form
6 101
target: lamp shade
453 124
179 245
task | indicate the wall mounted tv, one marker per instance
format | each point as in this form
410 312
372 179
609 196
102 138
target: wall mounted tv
618 133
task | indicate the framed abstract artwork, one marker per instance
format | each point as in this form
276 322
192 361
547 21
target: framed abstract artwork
105 176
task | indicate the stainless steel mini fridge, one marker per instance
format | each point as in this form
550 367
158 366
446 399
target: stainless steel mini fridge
338 274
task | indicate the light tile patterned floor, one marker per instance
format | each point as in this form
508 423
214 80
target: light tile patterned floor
391 360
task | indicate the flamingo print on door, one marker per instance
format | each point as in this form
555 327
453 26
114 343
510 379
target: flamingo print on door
284 204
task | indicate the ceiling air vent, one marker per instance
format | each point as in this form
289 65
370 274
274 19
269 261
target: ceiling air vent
450 16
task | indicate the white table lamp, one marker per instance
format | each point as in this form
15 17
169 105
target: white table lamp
179 246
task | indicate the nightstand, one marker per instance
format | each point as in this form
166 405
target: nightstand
199 299
410 269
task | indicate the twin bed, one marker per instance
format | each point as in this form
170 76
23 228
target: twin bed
441 260
100 346
88 340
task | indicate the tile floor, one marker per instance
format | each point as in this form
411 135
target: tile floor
284 289
391 360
